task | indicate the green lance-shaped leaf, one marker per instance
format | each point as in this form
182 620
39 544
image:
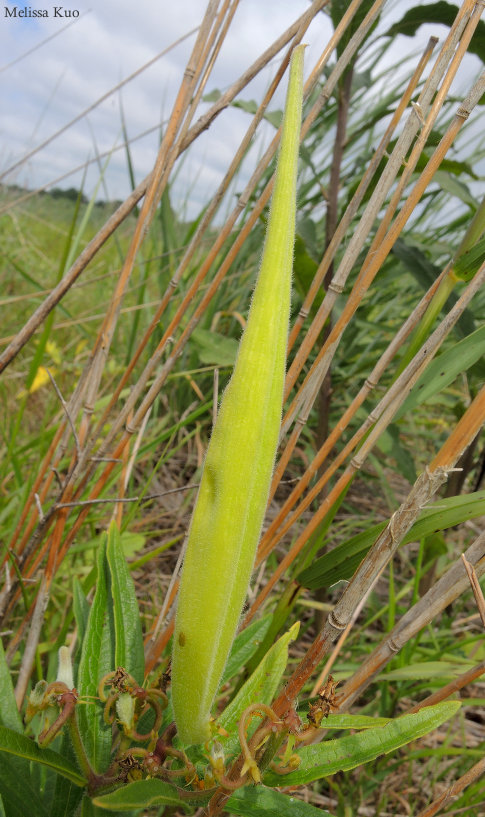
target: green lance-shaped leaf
342 754
230 507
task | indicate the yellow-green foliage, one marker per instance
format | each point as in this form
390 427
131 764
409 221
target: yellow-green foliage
233 494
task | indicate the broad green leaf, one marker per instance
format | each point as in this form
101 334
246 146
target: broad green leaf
21 746
390 444
18 799
97 659
416 261
2 810
12 768
126 615
66 799
440 12
140 794
444 368
67 796
304 268
250 106
338 9
9 714
449 169
260 687
342 754
259 801
213 96
341 562
212 347
245 645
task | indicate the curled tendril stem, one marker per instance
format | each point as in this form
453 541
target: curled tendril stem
249 761
67 701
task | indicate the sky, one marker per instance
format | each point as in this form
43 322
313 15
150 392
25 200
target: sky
44 83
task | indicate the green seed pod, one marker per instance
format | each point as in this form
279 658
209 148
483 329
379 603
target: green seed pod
228 516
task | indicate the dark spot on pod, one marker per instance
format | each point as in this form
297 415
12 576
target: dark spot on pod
182 639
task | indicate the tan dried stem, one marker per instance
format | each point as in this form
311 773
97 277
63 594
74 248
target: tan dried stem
283 521
385 236
157 385
448 588
475 585
374 425
384 548
352 208
28 657
458 683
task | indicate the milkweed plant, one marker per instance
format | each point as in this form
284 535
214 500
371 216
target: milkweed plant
120 742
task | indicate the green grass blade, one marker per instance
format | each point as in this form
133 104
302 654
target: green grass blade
341 562
440 12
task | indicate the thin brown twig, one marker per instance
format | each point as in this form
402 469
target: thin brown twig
28 657
66 412
475 585
454 790
115 499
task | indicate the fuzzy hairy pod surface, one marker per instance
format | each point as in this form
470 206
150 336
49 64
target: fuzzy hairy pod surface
228 516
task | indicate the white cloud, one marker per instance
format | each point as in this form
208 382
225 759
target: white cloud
56 82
